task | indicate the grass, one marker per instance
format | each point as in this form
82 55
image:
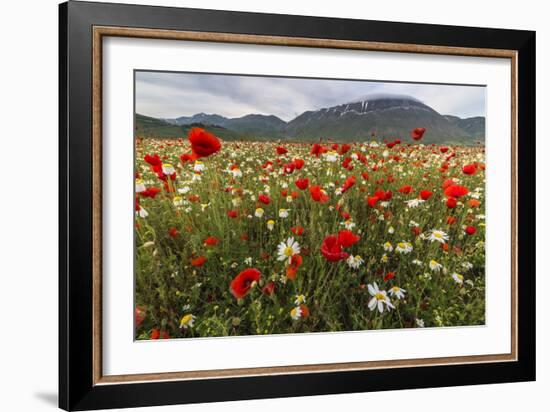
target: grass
171 285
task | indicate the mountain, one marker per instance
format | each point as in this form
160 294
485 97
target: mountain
151 127
382 116
385 116
211 119
249 125
475 126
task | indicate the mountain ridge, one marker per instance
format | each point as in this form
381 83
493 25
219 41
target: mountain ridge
378 116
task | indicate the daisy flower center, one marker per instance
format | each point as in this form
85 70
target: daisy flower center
288 251
380 296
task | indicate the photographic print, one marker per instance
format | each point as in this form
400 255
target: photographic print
275 205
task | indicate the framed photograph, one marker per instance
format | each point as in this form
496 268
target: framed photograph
257 205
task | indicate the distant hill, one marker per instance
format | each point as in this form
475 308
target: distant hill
249 125
381 116
474 126
151 127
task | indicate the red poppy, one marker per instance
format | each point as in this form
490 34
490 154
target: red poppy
150 192
389 275
407 189
470 230
292 268
140 316
416 230
269 288
418 133
299 163
383 195
447 183
470 169
186 157
344 148
350 181
443 149
173 232
297 230
153 160
203 144
211 241
289 167
451 202
242 283
232 214
346 238
264 199
372 200
305 311
318 194
474 203
281 150
332 250
456 191
317 149
199 261
155 333
451 220
302 184
425 194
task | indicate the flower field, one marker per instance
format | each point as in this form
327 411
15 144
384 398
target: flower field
247 238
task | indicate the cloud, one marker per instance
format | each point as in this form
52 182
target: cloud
169 95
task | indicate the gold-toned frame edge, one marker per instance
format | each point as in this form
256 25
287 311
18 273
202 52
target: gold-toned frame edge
101 31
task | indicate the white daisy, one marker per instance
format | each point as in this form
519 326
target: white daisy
259 212
296 313
168 169
270 224
287 249
140 187
142 213
458 278
414 203
435 266
187 321
467 265
438 236
299 300
331 156
199 166
355 262
177 201
397 292
379 298
348 224
236 172
388 247
283 213
404 247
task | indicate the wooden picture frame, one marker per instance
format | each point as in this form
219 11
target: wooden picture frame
83 26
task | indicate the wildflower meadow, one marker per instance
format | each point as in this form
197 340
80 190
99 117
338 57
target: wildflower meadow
249 238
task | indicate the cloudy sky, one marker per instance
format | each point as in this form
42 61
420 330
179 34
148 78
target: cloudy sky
170 95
